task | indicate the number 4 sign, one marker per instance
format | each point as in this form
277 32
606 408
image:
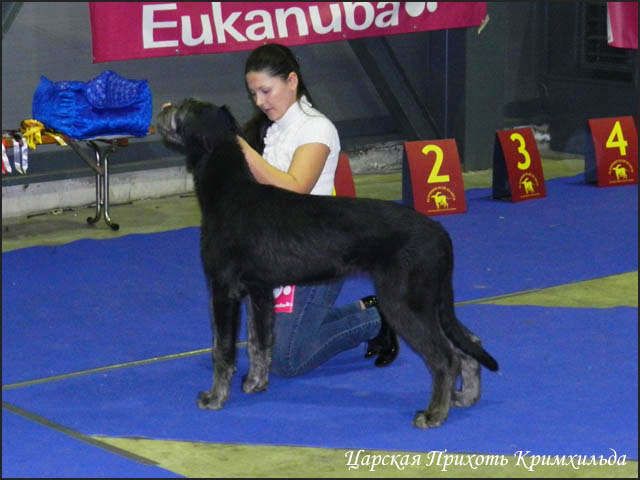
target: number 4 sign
432 177
615 146
517 169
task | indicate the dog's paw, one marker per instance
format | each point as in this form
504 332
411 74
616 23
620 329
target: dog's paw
209 401
254 384
429 420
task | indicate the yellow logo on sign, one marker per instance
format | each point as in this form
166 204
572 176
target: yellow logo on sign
529 183
440 197
622 169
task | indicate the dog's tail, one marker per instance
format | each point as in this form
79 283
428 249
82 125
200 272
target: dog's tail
457 333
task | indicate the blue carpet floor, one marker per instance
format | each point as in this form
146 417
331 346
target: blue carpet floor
562 390
568 381
36 451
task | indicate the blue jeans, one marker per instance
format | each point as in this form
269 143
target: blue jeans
316 330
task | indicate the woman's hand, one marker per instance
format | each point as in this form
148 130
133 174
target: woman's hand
304 171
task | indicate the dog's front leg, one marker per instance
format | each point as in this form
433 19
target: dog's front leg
225 326
260 340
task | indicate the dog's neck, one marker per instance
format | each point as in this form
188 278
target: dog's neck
219 173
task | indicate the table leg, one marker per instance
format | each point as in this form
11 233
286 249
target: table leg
102 184
105 178
99 186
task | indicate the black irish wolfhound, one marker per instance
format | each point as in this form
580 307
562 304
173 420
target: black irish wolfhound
249 247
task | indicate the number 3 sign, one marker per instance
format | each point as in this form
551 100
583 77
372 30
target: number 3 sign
615 145
432 177
517 169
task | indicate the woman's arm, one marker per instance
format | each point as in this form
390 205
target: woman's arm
305 169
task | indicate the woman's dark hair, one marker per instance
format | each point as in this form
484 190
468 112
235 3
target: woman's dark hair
277 61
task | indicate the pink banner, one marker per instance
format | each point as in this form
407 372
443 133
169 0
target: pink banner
622 24
130 30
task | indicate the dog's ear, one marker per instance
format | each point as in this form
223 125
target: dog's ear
226 115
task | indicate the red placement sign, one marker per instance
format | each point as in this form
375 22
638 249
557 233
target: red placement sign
435 177
343 185
519 152
615 142
129 30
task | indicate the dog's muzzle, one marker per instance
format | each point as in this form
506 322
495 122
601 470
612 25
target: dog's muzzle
167 125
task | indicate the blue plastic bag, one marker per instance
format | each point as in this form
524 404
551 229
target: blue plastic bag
108 105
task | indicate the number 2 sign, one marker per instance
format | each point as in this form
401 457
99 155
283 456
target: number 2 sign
615 146
432 177
517 169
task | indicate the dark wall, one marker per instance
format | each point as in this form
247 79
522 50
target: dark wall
527 66
580 84
543 63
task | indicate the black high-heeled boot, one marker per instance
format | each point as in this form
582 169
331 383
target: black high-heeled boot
385 344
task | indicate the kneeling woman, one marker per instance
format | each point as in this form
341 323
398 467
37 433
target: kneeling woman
291 145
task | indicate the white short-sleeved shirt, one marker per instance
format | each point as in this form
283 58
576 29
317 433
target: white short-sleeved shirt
302 124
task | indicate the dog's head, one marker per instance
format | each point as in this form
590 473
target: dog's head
196 127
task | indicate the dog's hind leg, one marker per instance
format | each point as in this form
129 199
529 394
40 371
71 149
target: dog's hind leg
260 340
409 301
416 321
225 326
444 363
469 392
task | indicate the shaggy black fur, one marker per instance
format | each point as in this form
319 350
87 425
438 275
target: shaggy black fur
256 237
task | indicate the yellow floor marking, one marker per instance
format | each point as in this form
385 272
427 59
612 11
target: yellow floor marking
209 460
608 292
195 459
